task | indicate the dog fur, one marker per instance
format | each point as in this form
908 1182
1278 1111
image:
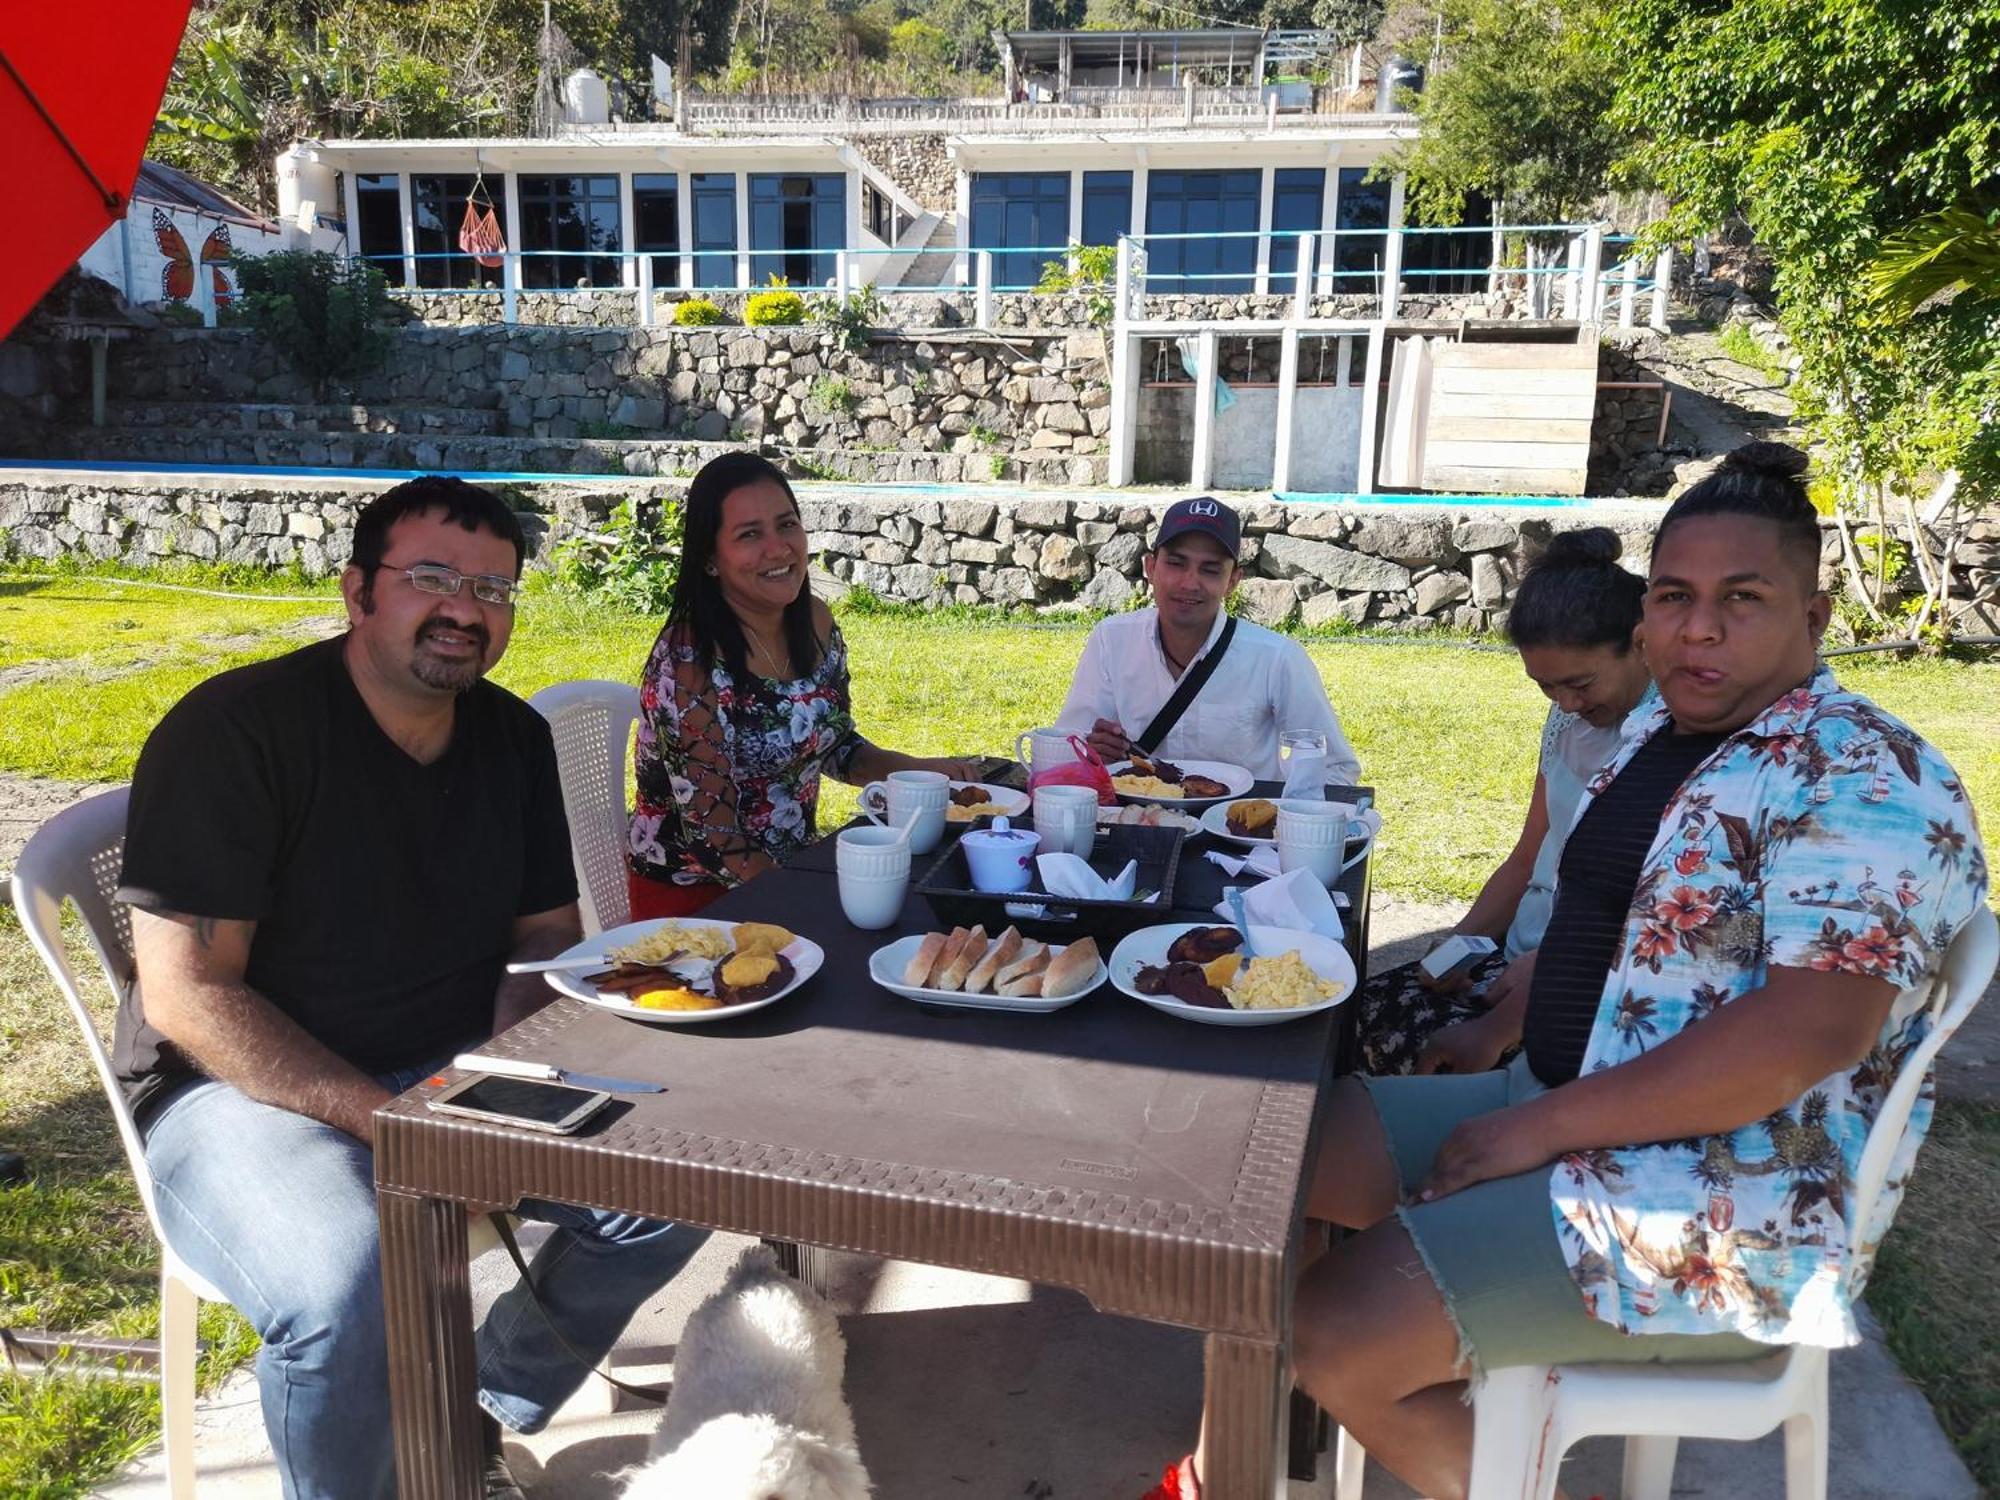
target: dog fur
756 1411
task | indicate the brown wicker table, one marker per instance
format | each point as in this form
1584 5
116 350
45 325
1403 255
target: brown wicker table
1155 1166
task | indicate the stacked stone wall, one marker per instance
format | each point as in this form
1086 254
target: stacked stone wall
1041 398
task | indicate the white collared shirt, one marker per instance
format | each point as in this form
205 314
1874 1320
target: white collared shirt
1264 685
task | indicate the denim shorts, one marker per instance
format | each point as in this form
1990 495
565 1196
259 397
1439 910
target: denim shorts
1492 1248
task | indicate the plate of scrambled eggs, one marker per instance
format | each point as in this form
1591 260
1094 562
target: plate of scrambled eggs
754 958
1294 974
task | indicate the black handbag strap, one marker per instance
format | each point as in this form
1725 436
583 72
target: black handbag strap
1192 681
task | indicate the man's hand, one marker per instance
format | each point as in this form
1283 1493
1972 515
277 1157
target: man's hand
1468 1047
1487 1147
1107 738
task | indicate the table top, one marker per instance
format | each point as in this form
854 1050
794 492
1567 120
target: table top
1154 1164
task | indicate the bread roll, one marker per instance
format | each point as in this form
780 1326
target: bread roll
1070 970
1024 975
958 963
1006 948
929 951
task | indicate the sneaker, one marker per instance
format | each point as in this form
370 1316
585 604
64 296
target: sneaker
1177 1483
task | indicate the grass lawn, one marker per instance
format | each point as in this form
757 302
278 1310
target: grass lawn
1447 735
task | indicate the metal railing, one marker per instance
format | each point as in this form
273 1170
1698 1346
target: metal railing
1087 107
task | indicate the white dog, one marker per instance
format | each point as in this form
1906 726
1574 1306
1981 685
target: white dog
756 1411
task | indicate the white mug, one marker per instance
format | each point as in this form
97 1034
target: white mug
873 866
916 798
1066 818
1313 836
1040 749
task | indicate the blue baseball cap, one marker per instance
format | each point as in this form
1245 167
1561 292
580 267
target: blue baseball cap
1204 514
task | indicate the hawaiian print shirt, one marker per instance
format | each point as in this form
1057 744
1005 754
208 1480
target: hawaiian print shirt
728 767
1823 835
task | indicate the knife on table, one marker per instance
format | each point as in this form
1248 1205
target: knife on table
514 1067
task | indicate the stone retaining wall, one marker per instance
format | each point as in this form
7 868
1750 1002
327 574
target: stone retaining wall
1037 397
919 164
1400 568
617 307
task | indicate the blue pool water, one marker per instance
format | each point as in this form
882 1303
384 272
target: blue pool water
817 487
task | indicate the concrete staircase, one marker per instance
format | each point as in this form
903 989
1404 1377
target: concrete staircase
933 265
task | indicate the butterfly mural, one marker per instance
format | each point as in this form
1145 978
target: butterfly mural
177 276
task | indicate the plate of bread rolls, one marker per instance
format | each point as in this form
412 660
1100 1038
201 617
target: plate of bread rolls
964 967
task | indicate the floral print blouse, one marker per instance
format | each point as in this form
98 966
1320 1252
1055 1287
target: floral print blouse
1823 835
728 767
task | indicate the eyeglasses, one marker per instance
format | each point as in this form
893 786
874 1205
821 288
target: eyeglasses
436 578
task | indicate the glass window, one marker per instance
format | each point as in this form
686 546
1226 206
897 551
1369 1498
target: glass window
1107 207
574 216
798 223
1215 216
656 222
1296 196
1439 263
378 238
714 197
437 209
1024 213
1357 259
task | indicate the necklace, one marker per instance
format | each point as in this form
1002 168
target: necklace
770 658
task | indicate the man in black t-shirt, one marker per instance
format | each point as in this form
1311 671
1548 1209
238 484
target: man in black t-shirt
331 857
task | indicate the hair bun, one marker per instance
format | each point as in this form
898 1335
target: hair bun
1772 460
1589 546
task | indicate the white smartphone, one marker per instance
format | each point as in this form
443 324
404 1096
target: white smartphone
530 1103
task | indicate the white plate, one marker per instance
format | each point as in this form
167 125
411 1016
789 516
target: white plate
885 964
1011 802
1215 820
1147 948
1237 779
806 957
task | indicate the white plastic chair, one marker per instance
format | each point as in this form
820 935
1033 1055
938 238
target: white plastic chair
592 725
75 857
1525 1419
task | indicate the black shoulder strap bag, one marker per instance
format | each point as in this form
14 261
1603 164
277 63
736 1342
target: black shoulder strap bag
1192 682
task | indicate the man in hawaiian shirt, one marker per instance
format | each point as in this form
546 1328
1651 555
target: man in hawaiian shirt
1767 855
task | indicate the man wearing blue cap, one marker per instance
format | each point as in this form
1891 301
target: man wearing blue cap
1185 679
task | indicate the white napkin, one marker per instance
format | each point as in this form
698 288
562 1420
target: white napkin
1261 860
1069 875
1295 899
1305 776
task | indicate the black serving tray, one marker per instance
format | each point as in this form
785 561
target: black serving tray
947 884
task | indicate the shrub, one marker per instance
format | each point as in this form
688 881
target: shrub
698 312
633 562
848 319
835 395
1095 276
323 315
780 305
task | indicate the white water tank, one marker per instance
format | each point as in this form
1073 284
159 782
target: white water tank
586 100
304 183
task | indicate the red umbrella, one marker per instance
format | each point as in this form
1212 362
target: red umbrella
79 90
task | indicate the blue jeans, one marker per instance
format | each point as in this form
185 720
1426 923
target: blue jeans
277 1211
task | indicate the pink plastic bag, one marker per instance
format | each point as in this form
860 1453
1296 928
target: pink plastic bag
1085 770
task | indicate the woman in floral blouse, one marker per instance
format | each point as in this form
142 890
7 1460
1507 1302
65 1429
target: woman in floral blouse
744 700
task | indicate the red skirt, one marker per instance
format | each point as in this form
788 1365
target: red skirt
658 898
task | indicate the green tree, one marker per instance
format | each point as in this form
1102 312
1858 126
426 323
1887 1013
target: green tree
1829 126
1517 112
324 315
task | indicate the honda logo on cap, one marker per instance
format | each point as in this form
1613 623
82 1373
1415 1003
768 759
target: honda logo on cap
1203 508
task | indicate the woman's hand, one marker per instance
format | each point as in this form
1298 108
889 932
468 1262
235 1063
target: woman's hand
956 769
1468 1047
1487 1147
1514 982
